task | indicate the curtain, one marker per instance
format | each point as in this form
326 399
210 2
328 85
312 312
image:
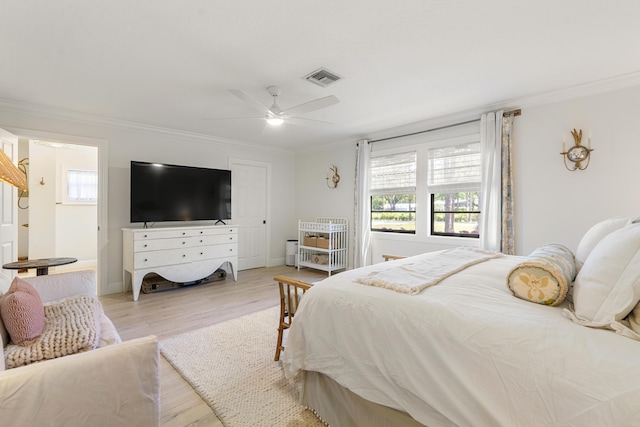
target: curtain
507 244
491 191
496 196
362 210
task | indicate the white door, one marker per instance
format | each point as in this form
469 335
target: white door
8 214
249 187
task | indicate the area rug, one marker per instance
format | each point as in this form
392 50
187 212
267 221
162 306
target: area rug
230 365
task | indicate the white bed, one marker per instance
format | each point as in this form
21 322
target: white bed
465 352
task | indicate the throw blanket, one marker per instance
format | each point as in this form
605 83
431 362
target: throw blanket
411 278
71 326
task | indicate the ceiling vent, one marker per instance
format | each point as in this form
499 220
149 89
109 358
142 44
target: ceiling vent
322 77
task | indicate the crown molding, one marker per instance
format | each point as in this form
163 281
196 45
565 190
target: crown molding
565 94
597 87
89 119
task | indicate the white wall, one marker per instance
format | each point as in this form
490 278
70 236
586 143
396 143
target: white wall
555 205
42 201
551 203
314 198
126 143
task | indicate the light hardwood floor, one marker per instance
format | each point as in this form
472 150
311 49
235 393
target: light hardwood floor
168 313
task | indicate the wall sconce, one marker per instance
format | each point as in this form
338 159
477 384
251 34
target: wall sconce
579 155
335 178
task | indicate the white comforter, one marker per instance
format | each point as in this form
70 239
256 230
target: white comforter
465 352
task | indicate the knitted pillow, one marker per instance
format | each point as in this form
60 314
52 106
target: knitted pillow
3 331
22 312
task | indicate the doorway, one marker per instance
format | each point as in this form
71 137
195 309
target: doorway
58 215
99 229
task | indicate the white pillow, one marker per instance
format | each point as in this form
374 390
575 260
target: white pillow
596 233
607 287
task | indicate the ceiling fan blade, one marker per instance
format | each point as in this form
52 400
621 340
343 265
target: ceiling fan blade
302 121
233 118
314 105
254 103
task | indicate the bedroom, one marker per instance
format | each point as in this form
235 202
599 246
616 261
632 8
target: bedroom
586 51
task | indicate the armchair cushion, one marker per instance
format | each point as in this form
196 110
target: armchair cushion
54 287
117 385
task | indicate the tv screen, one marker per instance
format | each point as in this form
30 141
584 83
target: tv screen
161 192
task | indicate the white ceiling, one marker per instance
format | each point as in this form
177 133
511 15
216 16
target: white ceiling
171 63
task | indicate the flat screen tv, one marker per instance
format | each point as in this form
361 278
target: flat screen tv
161 192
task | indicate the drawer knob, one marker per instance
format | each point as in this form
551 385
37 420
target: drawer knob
183 233
145 246
183 255
200 240
184 243
145 260
201 231
145 235
201 253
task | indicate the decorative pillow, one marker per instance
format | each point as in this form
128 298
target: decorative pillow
545 276
22 312
607 287
595 234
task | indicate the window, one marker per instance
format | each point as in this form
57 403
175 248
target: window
393 193
454 177
82 186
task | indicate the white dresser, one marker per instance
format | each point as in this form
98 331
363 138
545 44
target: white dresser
179 254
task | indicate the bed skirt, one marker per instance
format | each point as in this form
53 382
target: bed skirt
339 407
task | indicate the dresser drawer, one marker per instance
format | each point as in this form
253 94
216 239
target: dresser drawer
163 234
172 233
163 258
167 243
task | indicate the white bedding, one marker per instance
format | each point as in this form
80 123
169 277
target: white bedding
465 352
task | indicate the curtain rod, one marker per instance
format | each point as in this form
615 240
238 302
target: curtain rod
507 113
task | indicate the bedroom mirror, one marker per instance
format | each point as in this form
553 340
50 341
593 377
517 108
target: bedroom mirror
579 156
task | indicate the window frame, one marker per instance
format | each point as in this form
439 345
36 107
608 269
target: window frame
421 144
402 188
445 234
65 187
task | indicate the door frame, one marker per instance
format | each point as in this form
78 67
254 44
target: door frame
103 287
267 232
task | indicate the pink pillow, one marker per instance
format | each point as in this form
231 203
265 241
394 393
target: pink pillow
22 312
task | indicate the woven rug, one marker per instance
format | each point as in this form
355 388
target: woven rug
230 365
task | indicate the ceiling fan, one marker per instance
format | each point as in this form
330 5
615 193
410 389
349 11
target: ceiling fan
276 116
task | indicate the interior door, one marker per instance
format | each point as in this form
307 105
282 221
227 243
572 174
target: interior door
249 186
8 214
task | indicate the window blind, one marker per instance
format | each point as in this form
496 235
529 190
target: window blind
454 169
393 174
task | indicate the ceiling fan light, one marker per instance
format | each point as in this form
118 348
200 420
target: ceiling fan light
275 121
